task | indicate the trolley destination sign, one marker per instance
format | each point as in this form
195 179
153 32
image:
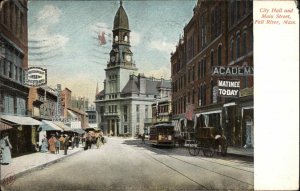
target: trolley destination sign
232 71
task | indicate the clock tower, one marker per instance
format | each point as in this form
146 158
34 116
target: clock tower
121 55
120 65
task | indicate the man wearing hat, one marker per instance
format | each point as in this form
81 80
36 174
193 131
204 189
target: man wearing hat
66 143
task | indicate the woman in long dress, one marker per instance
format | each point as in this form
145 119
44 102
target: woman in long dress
52 145
5 147
44 148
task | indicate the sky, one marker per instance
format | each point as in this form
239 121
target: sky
62 37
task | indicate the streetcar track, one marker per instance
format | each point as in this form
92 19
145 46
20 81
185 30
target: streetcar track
198 167
201 158
177 171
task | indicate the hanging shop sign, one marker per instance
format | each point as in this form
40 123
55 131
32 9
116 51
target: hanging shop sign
35 76
228 88
232 71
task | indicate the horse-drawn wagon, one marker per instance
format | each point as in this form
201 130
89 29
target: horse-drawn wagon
208 139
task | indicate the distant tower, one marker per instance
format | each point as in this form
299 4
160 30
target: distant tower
97 89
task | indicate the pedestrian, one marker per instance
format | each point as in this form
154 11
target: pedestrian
77 141
98 142
52 145
66 144
57 144
73 141
143 138
5 147
61 140
44 147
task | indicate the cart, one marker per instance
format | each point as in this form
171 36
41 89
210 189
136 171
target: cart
207 139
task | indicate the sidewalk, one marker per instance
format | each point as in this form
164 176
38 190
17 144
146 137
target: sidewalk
239 151
27 163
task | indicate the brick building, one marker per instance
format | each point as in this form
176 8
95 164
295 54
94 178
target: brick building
13 62
220 33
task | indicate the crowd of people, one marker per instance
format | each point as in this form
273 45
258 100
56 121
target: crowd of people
55 143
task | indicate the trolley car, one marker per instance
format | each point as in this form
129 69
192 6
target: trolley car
209 140
162 134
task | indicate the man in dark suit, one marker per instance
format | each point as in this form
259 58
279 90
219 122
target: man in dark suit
66 143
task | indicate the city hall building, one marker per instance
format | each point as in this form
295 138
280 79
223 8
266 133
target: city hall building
125 102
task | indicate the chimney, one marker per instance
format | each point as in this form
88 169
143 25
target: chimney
142 83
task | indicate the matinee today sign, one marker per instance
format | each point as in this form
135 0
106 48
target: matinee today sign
230 88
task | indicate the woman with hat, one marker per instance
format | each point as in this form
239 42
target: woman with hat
5 147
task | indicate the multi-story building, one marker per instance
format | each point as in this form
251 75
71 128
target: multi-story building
126 99
13 63
218 34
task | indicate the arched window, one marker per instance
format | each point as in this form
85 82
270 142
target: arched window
125 38
220 55
116 38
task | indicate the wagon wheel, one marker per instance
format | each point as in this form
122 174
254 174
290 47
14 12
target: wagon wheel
193 148
208 149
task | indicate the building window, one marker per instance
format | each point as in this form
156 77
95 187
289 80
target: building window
203 29
8 104
204 94
10 72
16 73
137 113
199 70
193 97
244 7
244 43
232 13
211 91
193 72
125 108
146 111
220 55
212 58
204 67
213 24
231 50
238 9
238 53
251 38
199 95
125 129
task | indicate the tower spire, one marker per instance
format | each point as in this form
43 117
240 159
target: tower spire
121 2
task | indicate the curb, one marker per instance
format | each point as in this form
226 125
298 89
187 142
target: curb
14 176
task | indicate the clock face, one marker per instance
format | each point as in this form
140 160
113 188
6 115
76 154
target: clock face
128 58
112 58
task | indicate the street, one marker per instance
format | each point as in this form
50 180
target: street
126 164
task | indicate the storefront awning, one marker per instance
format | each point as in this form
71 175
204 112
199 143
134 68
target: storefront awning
49 126
209 112
79 131
20 120
62 126
72 114
4 126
